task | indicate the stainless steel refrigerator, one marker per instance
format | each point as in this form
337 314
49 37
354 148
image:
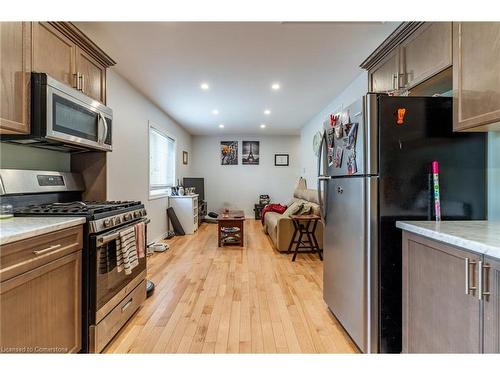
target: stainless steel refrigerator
373 170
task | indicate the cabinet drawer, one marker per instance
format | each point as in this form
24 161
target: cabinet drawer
107 328
22 256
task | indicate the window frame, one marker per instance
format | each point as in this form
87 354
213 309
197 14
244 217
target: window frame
162 193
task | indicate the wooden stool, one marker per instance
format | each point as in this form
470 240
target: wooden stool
305 225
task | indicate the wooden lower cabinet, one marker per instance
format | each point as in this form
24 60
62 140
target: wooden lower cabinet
40 309
491 302
438 316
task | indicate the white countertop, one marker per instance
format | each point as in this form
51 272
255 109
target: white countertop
479 236
19 228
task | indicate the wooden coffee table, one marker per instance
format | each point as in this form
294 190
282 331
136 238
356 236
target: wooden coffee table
230 224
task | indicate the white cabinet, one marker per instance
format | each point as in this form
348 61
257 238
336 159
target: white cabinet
186 210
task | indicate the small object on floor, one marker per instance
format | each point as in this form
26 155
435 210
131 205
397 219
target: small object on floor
213 215
150 288
159 247
170 234
175 222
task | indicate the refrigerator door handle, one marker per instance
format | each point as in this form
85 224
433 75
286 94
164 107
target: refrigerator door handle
321 178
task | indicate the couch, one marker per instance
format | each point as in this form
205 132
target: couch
280 227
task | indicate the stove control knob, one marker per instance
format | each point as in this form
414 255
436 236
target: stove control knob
107 223
137 214
118 220
127 216
144 212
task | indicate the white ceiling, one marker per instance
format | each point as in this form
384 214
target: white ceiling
167 61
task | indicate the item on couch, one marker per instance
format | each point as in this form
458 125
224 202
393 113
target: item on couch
275 207
305 210
293 209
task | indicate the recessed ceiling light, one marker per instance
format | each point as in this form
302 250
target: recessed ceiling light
204 86
221 126
215 111
275 86
262 126
267 112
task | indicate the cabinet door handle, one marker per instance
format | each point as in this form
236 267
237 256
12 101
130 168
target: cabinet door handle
46 250
77 80
125 307
482 293
468 287
395 83
83 83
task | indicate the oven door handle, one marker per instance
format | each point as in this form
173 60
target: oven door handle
101 240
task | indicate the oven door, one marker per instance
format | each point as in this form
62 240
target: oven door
72 117
112 285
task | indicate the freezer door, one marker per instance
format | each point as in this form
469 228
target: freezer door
337 141
348 287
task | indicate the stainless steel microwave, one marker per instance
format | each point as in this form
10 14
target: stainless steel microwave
65 119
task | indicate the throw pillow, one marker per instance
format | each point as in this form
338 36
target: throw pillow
306 209
293 209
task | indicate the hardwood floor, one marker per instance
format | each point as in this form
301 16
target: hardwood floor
232 300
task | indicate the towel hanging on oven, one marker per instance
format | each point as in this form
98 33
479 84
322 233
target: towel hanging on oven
126 251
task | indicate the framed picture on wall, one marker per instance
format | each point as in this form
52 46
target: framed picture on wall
229 152
184 157
281 160
250 153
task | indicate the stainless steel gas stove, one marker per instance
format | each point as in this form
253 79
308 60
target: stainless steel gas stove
100 215
109 296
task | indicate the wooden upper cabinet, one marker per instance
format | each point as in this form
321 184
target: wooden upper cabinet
15 72
476 77
413 53
491 324
425 53
53 53
384 76
92 75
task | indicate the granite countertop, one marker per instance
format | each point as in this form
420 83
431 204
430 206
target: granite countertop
20 228
479 236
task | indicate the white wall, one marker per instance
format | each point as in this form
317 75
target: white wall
351 93
128 164
239 186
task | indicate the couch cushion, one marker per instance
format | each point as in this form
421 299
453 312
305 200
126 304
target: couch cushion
294 208
309 195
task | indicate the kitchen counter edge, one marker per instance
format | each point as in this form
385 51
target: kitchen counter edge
482 237
20 228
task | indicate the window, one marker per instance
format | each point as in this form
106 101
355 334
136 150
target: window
161 163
